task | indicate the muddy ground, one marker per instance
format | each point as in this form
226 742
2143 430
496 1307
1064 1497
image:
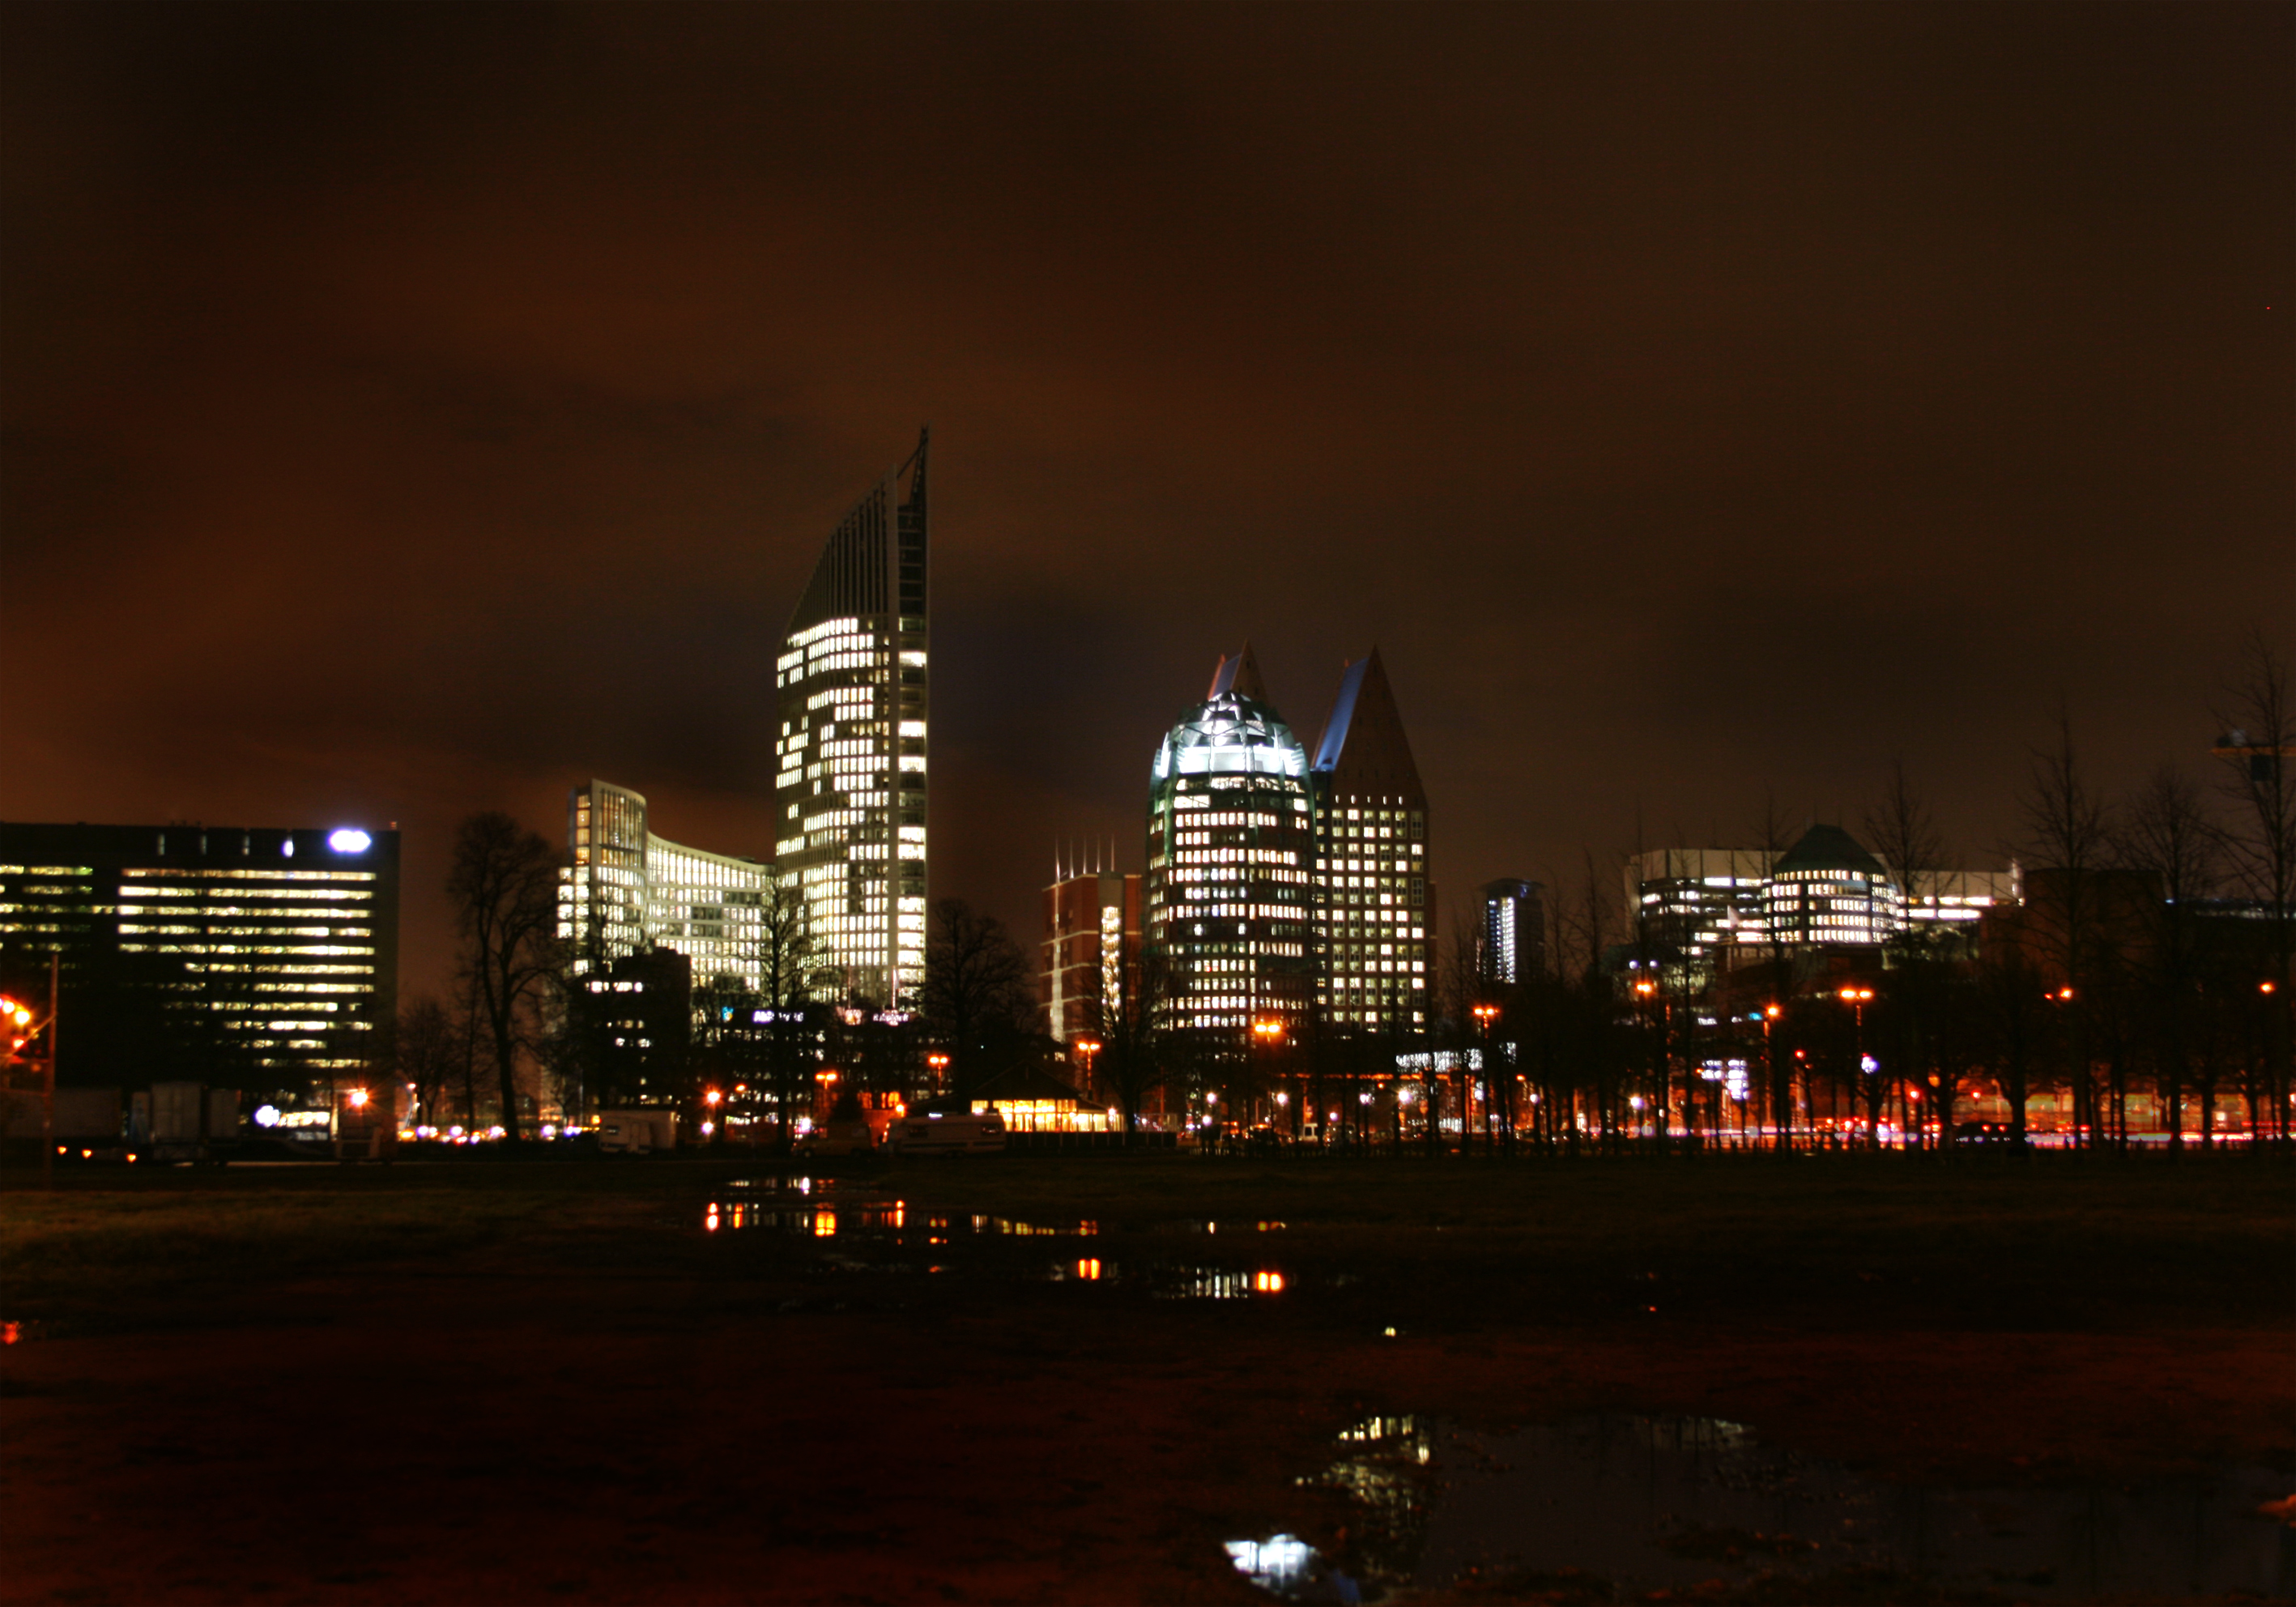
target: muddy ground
523 1383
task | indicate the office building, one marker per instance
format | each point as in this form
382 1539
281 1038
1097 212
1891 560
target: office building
636 1016
1088 966
1827 889
851 783
626 891
1691 911
1228 909
1514 931
1699 912
258 957
1374 908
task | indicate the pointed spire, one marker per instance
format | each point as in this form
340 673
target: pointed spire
1363 741
1240 676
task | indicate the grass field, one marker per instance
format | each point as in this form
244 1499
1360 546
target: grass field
507 1380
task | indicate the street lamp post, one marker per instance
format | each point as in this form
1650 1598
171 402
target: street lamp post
1267 1033
1646 991
1781 1096
1857 998
1485 1014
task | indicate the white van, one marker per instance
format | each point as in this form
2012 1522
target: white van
934 1133
636 1132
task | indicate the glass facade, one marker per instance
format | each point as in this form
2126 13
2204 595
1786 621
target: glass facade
851 782
285 939
1230 894
626 891
1514 931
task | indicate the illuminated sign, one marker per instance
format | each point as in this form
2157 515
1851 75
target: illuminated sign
349 840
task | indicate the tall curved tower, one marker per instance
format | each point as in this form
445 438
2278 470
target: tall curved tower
1228 913
854 685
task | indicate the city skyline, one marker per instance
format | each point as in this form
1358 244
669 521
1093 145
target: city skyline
1673 461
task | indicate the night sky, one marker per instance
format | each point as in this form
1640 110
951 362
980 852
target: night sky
418 409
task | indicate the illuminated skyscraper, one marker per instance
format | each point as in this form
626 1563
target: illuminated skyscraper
1375 907
1514 931
1231 850
850 787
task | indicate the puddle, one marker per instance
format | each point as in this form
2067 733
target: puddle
1604 1508
800 1211
794 1210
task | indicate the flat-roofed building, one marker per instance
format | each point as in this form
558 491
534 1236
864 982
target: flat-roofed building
262 956
1088 962
1513 935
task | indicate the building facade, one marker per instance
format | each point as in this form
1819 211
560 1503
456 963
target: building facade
1375 905
264 956
626 891
1088 964
1513 931
636 1014
854 685
1228 907
1697 909
1827 889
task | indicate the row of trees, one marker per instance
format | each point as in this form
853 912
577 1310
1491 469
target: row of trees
520 1030
2147 971
2145 975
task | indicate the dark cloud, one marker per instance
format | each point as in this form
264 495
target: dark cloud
418 408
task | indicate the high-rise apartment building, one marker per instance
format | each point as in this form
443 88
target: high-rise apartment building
853 683
628 891
1229 904
1514 931
1088 966
1375 905
265 956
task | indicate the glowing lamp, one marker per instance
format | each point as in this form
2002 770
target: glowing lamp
349 840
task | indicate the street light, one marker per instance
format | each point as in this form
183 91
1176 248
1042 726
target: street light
1485 1014
1857 998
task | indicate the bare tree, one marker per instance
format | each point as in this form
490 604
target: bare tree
430 1049
2258 716
503 882
1135 1038
2165 834
2068 835
790 979
1900 829
976 984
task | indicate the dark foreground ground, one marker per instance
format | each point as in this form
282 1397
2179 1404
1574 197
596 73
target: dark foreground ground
506 1382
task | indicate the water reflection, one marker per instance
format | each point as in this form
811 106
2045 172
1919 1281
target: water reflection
1287 1566
803 1208
1610 1505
